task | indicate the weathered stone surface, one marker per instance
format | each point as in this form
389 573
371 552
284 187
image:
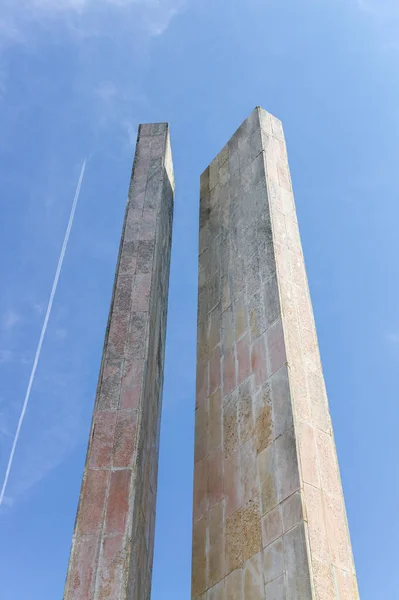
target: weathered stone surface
254 585
272 526
266 431
111 556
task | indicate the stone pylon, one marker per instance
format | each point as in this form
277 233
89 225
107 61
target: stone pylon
112 549
269 514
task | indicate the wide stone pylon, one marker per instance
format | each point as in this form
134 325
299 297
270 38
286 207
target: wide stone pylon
269 518
112 548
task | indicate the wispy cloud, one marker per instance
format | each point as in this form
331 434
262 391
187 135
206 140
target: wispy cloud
392 337
383 17
105 41
9 356
61 333
4 429
43 333
10 320
6 356
379 8
153 16
44 451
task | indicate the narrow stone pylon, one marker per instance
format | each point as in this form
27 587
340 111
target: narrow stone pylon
269 518
112 548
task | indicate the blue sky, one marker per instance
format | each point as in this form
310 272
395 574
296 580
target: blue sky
76 78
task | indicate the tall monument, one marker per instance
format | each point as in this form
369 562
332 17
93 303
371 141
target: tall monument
269 520
112 548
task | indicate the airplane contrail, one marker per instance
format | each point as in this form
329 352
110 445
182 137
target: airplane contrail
43 332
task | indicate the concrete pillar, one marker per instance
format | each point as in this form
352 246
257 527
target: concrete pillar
112 549
269 514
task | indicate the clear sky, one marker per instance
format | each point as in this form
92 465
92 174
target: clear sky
76 78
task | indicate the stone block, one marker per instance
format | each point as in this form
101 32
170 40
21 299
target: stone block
201 499
91 511
253 274
337 532
111 568
230 425
118 502
292 509
233 586
138 332
215 421
202 382
234 541
287 473
275 590
109 393
125 438
229 372
199 579
308 454
251 531
323 581
248 470
275 347
214 370
214 328
83 568
202 433
272 301
268 478
103 442
316 524
282 407
243 359
264 426
272 526
232 483
257 320
298 578
215 592
132 382
215 481
318 402
245 412
202 343
253 582
273 561
330 480
347 584
241 317
259 361
216 552
227 329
